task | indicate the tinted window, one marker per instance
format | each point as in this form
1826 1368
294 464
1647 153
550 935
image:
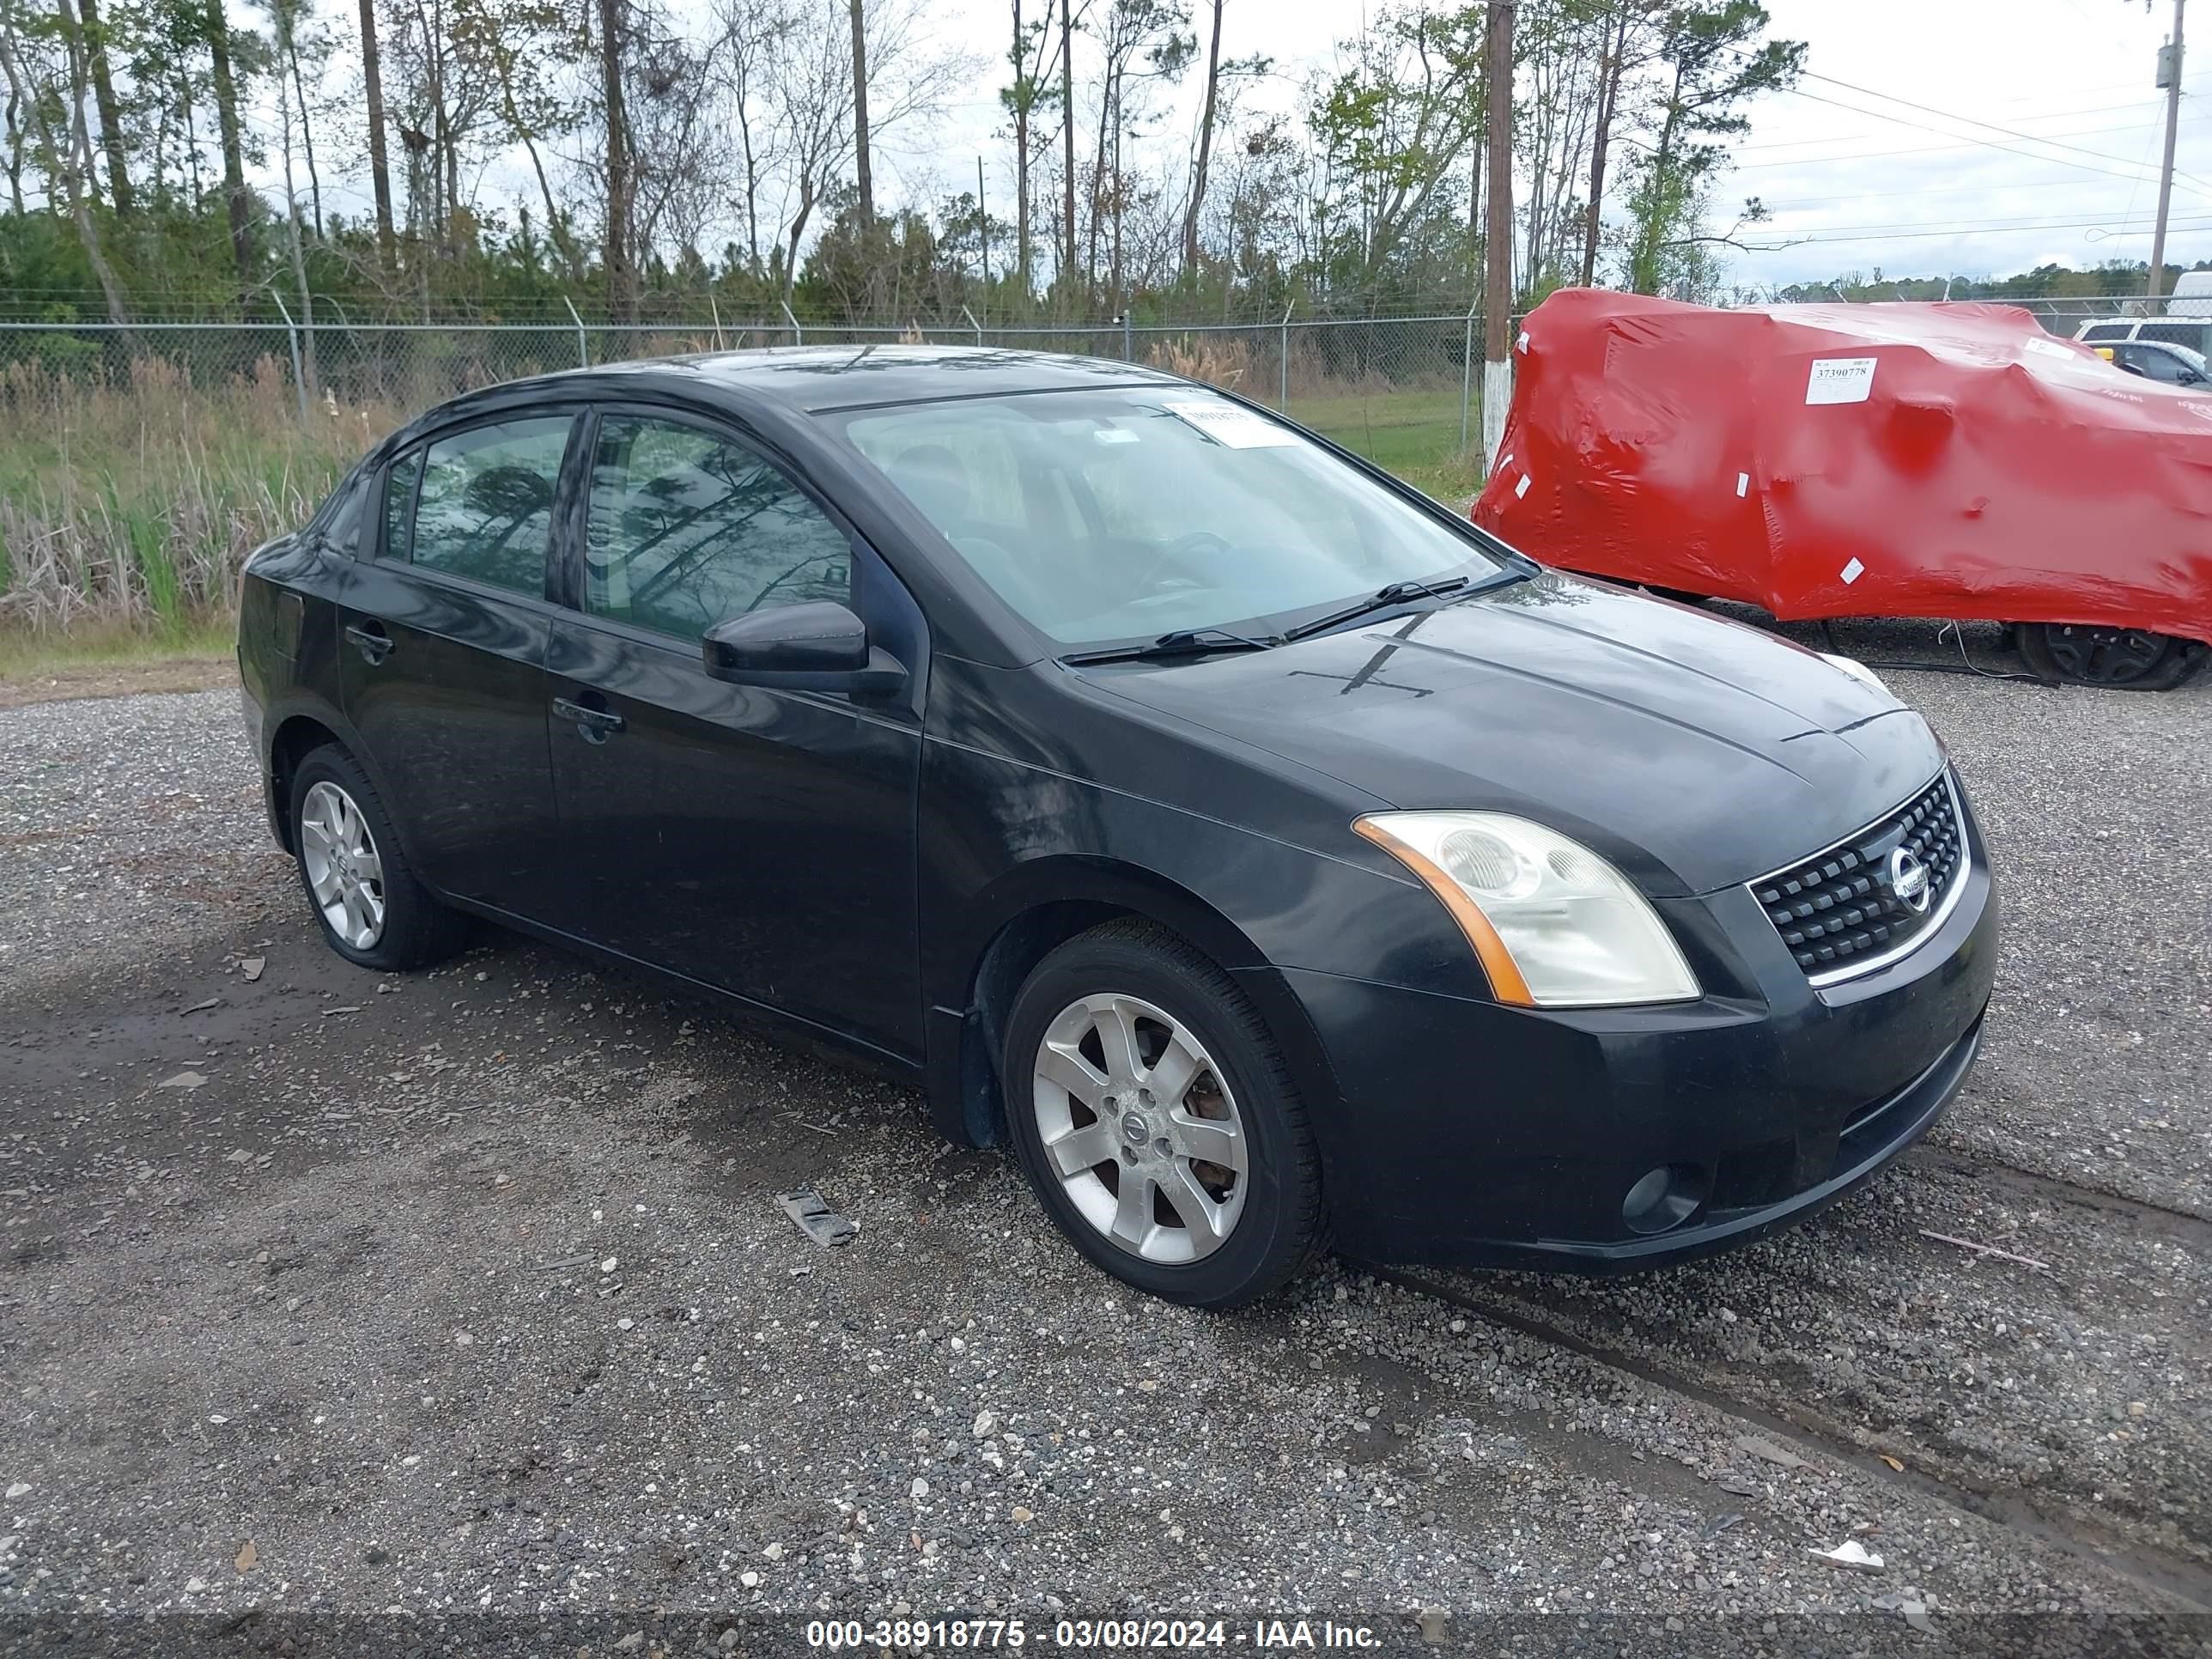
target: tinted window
2106 332
486 506
399 505
688 526
2181 334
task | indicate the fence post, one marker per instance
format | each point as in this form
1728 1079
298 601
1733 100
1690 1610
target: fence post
583 350
1467 376
971 315
798 334
292 335
1283 396
1128 349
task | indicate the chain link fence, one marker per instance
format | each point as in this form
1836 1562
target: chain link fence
140 462
1396 389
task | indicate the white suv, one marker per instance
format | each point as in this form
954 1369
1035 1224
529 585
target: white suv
2194 332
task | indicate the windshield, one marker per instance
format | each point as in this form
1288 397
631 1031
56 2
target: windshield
1101 517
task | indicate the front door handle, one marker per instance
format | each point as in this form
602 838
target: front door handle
372 642
592 725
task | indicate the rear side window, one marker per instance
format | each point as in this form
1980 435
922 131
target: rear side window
2185 334
399 506
484 509
2106 332
688 526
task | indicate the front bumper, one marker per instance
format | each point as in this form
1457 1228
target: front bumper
1469 1133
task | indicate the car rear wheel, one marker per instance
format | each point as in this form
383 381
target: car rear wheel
1158 1120
2132 659
371 908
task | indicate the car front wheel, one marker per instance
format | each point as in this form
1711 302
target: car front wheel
1158 1121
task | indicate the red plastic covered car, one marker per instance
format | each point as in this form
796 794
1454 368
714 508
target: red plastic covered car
1891 460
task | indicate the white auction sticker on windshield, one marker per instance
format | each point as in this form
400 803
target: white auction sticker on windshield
1228 423
1840 380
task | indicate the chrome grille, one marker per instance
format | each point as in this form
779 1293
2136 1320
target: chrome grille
1841 912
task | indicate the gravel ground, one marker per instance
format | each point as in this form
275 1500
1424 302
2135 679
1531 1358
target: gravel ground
463 1300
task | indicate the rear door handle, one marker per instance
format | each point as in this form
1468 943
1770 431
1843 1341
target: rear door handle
592 725
372 642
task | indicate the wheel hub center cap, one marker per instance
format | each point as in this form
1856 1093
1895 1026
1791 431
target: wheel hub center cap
1135 1128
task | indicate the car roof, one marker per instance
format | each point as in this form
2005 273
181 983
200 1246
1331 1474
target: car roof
812 379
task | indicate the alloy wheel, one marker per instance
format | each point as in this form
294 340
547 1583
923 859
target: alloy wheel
344 871
2105 656
1139 1127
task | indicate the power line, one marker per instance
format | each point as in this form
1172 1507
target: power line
1989 143
1966 120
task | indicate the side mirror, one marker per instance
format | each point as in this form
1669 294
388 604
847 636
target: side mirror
822 646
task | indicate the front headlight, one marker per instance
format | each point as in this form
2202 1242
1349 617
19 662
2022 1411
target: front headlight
1555 925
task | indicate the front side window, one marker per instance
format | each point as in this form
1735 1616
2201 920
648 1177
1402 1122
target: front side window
1103 516
2154 366
485 509
689 527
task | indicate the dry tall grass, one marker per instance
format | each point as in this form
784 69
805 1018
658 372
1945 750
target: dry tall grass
134 500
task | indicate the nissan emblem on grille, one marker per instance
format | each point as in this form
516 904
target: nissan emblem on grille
1871 896
1908 878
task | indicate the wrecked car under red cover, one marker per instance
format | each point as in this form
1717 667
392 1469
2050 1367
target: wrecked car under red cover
1831 460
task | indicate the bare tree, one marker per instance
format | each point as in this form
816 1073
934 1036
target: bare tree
615 248
239 198
378 167
1029 56
94 38
813 97
740 59
1205 141
64 173
1066 275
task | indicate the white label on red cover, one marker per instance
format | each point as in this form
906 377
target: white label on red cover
1230 424
2048 348
1522 344
1840 380
1852 572
1521 489
1742 483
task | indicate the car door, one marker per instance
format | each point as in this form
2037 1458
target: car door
443 633
759 841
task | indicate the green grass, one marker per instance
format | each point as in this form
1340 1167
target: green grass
1414 434
124 511
25 655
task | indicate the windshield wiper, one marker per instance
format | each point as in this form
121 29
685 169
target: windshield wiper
1182 642
1380 599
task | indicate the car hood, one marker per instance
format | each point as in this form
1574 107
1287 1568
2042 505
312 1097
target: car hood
1693 751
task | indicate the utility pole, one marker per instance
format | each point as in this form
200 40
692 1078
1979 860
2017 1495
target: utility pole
982 224
860 134
2169 65
1497 233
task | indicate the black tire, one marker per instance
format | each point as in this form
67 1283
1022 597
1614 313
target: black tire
1282 1224
418 930
2109 659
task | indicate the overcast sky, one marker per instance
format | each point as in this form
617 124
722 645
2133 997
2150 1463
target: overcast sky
2046 149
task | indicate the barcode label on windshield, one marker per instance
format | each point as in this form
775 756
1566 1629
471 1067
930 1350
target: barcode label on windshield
1228 423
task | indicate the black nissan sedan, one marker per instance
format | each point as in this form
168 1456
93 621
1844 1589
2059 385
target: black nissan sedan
1266 855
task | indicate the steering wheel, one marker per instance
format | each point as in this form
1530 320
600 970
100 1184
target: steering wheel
1190 542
